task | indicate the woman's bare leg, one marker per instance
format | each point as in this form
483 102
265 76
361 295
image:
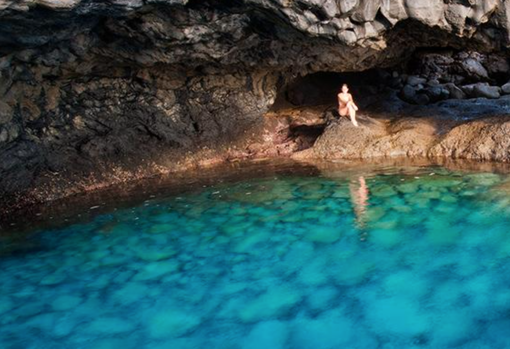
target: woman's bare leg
352 114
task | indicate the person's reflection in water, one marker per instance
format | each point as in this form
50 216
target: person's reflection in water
359 197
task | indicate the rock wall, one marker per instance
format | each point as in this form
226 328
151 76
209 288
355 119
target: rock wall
90 86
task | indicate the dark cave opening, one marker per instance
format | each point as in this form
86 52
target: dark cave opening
322 88
310 102
427 76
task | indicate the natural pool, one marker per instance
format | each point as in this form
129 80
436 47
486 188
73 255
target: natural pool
399 257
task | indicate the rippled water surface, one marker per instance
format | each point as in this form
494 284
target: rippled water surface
400 258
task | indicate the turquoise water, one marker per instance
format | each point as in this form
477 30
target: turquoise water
402 258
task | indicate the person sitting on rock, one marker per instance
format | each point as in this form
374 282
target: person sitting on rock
346 104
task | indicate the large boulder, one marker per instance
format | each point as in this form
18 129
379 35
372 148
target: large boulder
414 80
505 89
481 89
412 95
455 92
474 69
408 93
437 93
430 12
496 64
486 91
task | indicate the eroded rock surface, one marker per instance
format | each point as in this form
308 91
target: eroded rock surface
114 90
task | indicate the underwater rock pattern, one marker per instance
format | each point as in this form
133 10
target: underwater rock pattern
275 262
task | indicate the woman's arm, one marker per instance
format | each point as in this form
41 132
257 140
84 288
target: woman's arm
352 101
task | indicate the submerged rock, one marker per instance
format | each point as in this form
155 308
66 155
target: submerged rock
66 302
324 234
6 304
155 270
330 330
274 303
172 323
267 334
109 326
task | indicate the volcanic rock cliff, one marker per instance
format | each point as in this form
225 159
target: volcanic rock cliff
103 91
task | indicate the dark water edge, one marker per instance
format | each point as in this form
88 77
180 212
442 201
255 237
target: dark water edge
84 207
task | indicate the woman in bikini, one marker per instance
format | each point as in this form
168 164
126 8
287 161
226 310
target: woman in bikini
346 105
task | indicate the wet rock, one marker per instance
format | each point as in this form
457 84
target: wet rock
437 93
481 90
414 80
408 93
486 91
505 89
421 99
414 95
454 91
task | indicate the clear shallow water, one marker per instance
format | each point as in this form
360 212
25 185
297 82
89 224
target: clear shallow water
415 258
